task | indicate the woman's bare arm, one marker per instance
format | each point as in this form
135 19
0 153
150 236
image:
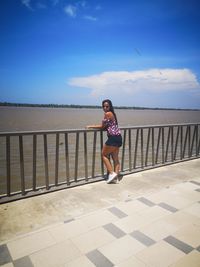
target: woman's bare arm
95 126
108 115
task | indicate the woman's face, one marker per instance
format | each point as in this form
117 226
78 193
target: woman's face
106 107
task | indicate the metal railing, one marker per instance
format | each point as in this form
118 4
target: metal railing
36 162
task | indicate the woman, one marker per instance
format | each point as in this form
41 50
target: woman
114 141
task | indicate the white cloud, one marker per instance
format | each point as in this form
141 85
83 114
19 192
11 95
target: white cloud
78 9
82 4
70 10
34 5
90 18
75 10
27 3
128 83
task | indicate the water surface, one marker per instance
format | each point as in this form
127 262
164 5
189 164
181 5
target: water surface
28 118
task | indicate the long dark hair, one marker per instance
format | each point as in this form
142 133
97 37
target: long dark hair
111 108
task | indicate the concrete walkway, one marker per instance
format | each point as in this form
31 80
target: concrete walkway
149 219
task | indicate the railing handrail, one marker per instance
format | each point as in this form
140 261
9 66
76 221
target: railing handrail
13 133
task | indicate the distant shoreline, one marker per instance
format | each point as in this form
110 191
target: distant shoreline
8 104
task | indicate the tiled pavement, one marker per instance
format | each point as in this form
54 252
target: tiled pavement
159 228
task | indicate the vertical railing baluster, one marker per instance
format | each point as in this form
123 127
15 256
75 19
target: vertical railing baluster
130 150
189 140
46 162
21 153
57 159
181 143
185 142
67 158
193 138
94 153
158 145
197 141
101 142
76 157
172 143
85 156
198 146
8 163
34 160
136 146
147 148
176 143
123 151
152 140
142 155
167 145
163 145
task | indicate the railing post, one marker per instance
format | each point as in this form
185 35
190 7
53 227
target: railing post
102 164
189 141
34 160
46 162
67 158
193 138
158 145
76 157
185 141
94 153
176 143
197 152
172 143
21 153
8 163
142 155
167 145
199 146
163 145
123 150
136 146
57 159
153 160
147 147
129 147
181 143
85 156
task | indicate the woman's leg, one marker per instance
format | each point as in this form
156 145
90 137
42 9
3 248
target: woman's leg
115 157
105 152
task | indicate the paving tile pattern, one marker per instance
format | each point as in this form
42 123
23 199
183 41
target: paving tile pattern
4 254
128 233
142 238
23 262
179 244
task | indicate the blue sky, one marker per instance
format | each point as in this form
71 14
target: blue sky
137 53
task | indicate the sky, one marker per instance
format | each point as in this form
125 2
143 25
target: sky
137 53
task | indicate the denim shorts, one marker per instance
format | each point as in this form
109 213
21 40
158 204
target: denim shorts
114 140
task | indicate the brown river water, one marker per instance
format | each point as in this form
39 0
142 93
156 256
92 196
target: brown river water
26 118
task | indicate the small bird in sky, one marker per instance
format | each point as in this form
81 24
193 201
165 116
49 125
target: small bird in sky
137 51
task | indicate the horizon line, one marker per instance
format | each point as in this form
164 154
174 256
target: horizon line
51 105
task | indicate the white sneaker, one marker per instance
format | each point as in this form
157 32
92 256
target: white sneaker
111 177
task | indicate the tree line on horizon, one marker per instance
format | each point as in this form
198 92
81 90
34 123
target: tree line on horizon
84 106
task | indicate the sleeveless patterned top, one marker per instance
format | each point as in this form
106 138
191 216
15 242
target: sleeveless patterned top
111 127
